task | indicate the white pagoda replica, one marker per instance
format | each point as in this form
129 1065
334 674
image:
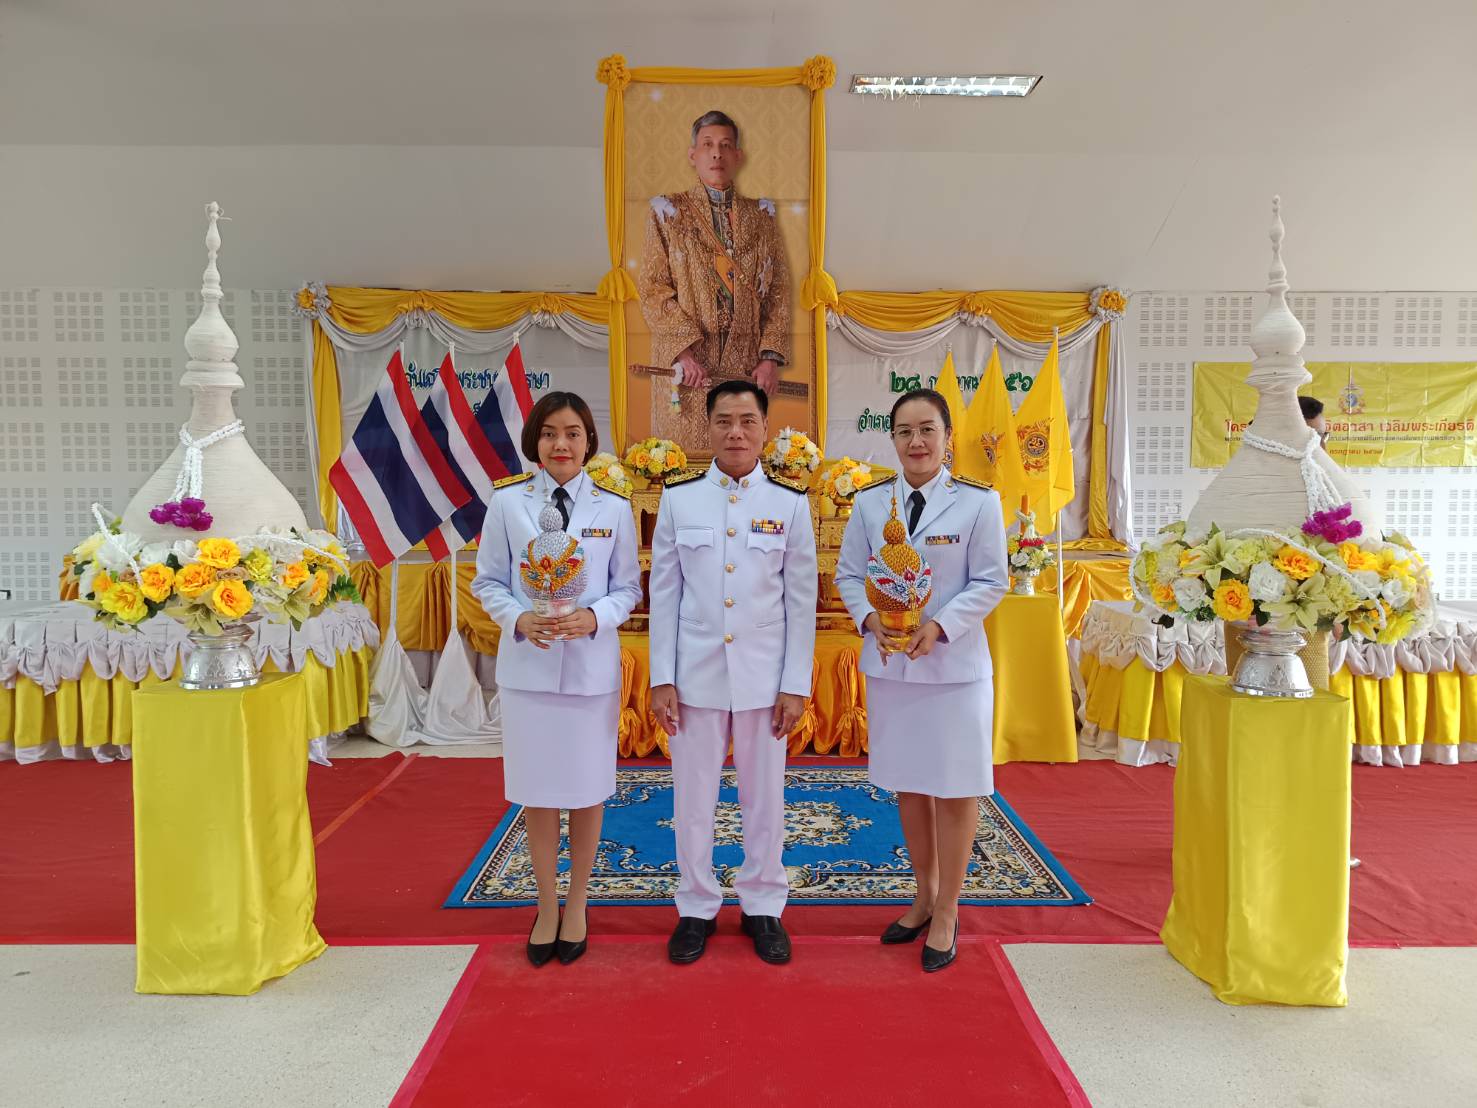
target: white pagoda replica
213 461
1281 475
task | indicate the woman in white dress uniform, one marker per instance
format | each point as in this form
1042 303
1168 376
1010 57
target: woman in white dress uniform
930 705
559 679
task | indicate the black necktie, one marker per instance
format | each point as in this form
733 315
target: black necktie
561 501
915 509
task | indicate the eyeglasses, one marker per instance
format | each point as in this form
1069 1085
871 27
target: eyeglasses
928 433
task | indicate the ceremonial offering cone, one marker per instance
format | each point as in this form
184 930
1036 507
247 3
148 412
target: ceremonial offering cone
241 494
898 584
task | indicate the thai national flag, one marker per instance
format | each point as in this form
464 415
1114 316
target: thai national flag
473 458
504 410
393 479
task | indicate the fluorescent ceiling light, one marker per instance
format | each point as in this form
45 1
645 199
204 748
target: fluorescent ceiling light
993 84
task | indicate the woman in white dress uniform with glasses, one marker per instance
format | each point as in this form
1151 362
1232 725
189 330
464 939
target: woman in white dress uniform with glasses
559 679
930 706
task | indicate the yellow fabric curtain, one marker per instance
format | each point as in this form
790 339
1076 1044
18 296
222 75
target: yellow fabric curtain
1028 316
365 311
817 291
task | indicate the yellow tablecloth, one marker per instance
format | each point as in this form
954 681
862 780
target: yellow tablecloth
224 873
96 711
1261 846
1140 706
1034 721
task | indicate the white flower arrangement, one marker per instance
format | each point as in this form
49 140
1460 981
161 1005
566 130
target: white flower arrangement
791 453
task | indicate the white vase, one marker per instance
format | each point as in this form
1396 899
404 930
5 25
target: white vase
1023 583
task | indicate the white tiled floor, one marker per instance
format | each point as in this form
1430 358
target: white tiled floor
342 1030
1140 1031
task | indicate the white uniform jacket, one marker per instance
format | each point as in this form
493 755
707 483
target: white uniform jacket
962 536
733 589
601 521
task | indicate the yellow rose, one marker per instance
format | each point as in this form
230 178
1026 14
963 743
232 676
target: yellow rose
642 459
1164 597
101 584
231 599
294 575
1296 562
320 587
157 582
861 479
1232 601
194 580
1356 559
218 553
126 602
259 564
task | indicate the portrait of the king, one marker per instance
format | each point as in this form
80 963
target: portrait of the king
714 286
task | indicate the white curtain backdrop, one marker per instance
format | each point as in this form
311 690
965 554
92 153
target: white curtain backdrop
864 364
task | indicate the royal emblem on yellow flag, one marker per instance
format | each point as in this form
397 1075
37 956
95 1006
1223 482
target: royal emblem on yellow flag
1044 441
989 450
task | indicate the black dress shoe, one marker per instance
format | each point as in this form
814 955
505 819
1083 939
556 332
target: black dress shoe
897 934
568 951
690 939
935 960
770 941
539 953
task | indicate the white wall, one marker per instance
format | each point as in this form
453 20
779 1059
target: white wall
532 217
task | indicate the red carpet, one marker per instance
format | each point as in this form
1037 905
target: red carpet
625 1027
65 853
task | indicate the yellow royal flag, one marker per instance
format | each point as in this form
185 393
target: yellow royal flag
1045 444
948 387
987 448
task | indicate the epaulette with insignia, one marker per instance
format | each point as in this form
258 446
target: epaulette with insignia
874 485
972 483
791 483
684 476
610 488
516 479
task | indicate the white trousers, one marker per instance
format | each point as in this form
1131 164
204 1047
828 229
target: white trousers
698 750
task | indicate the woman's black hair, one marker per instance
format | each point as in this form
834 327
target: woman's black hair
933 396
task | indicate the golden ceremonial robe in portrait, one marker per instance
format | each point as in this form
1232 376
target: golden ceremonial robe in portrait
713 277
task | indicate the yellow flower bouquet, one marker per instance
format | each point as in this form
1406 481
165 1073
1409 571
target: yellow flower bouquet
213 584
607 472
844 479
1378 590
791 454
655 459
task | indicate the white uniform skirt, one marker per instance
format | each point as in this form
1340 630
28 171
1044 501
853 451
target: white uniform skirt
931 739
558 748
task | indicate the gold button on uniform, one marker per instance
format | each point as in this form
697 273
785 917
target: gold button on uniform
745 482
732 498
728 568
731 532
728 602
728 638
723 481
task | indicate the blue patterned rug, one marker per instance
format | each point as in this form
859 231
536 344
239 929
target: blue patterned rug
843 845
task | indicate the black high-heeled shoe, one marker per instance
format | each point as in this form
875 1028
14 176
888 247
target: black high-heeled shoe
897 933
935 960
540 953
568 951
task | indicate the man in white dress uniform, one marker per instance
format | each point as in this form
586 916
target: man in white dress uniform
733 591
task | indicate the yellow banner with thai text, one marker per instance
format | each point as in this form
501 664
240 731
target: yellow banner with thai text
1380 414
